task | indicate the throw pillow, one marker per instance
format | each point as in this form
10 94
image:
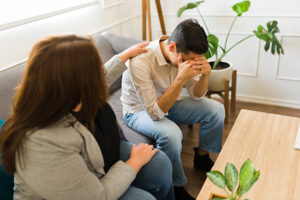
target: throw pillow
6 180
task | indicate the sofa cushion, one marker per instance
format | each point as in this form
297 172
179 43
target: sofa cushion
118 46
106 52
131 135
6 180
9 79
6 184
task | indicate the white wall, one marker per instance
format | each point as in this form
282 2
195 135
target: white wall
16 43
262 77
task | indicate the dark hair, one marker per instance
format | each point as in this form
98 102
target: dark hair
61 72
189 36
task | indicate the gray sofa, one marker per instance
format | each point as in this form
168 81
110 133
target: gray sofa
108 44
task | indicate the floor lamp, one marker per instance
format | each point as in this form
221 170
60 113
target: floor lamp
146 13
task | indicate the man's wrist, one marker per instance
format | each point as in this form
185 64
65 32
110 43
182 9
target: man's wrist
180 81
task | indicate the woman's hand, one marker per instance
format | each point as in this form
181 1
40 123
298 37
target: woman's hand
140 155
133 51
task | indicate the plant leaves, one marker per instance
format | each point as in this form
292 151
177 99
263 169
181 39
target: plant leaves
267 46
231 176
273 48
213 44
246 188
217 178
241 7
219 199
188 6
268 35
246 172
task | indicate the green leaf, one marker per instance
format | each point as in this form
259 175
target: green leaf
187 7
219 199
272 27
267 46
246 172
213 44
246 188
241 7
273 48
231 176
217 178
268 35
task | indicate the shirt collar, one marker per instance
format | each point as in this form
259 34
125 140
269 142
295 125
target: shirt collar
157 51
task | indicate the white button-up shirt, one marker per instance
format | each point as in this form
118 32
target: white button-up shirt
148 77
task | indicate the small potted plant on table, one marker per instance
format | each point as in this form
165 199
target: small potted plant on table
228 182
222 71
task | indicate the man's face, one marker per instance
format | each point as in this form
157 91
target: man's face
173 55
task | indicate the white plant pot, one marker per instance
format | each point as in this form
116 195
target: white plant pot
218 77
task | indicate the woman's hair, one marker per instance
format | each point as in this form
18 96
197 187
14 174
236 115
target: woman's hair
61 72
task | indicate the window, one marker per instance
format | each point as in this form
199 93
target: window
18 12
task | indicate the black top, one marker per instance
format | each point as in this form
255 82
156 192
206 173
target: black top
107 134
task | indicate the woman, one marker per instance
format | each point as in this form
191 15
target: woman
59 113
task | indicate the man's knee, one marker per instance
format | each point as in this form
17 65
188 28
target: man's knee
216 112
219 111
170 139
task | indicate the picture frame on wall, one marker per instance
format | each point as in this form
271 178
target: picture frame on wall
111 3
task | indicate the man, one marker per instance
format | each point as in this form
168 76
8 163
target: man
153 104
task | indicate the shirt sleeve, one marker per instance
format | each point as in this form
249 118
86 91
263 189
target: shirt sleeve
114 69
190 88
140 71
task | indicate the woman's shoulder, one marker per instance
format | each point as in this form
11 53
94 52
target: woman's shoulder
60 136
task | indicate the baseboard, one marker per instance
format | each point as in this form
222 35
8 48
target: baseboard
268 101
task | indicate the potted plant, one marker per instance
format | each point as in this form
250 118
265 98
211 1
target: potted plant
228 182
222 71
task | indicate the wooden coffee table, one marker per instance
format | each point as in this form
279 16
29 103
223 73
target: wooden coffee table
268 140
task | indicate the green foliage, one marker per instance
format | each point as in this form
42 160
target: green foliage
213 44
241 7
246 187
246 172
231 176
247 177
265 34
268 35
217 178
187 7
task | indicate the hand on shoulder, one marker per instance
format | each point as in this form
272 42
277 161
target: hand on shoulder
134 51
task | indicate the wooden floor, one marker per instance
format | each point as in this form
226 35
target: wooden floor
190 139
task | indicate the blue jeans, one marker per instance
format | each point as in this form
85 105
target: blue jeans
168 135
154 180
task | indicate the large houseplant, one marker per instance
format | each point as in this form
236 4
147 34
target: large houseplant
228 182
220 51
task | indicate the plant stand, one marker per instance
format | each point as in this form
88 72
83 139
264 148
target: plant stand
146 13
225 94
